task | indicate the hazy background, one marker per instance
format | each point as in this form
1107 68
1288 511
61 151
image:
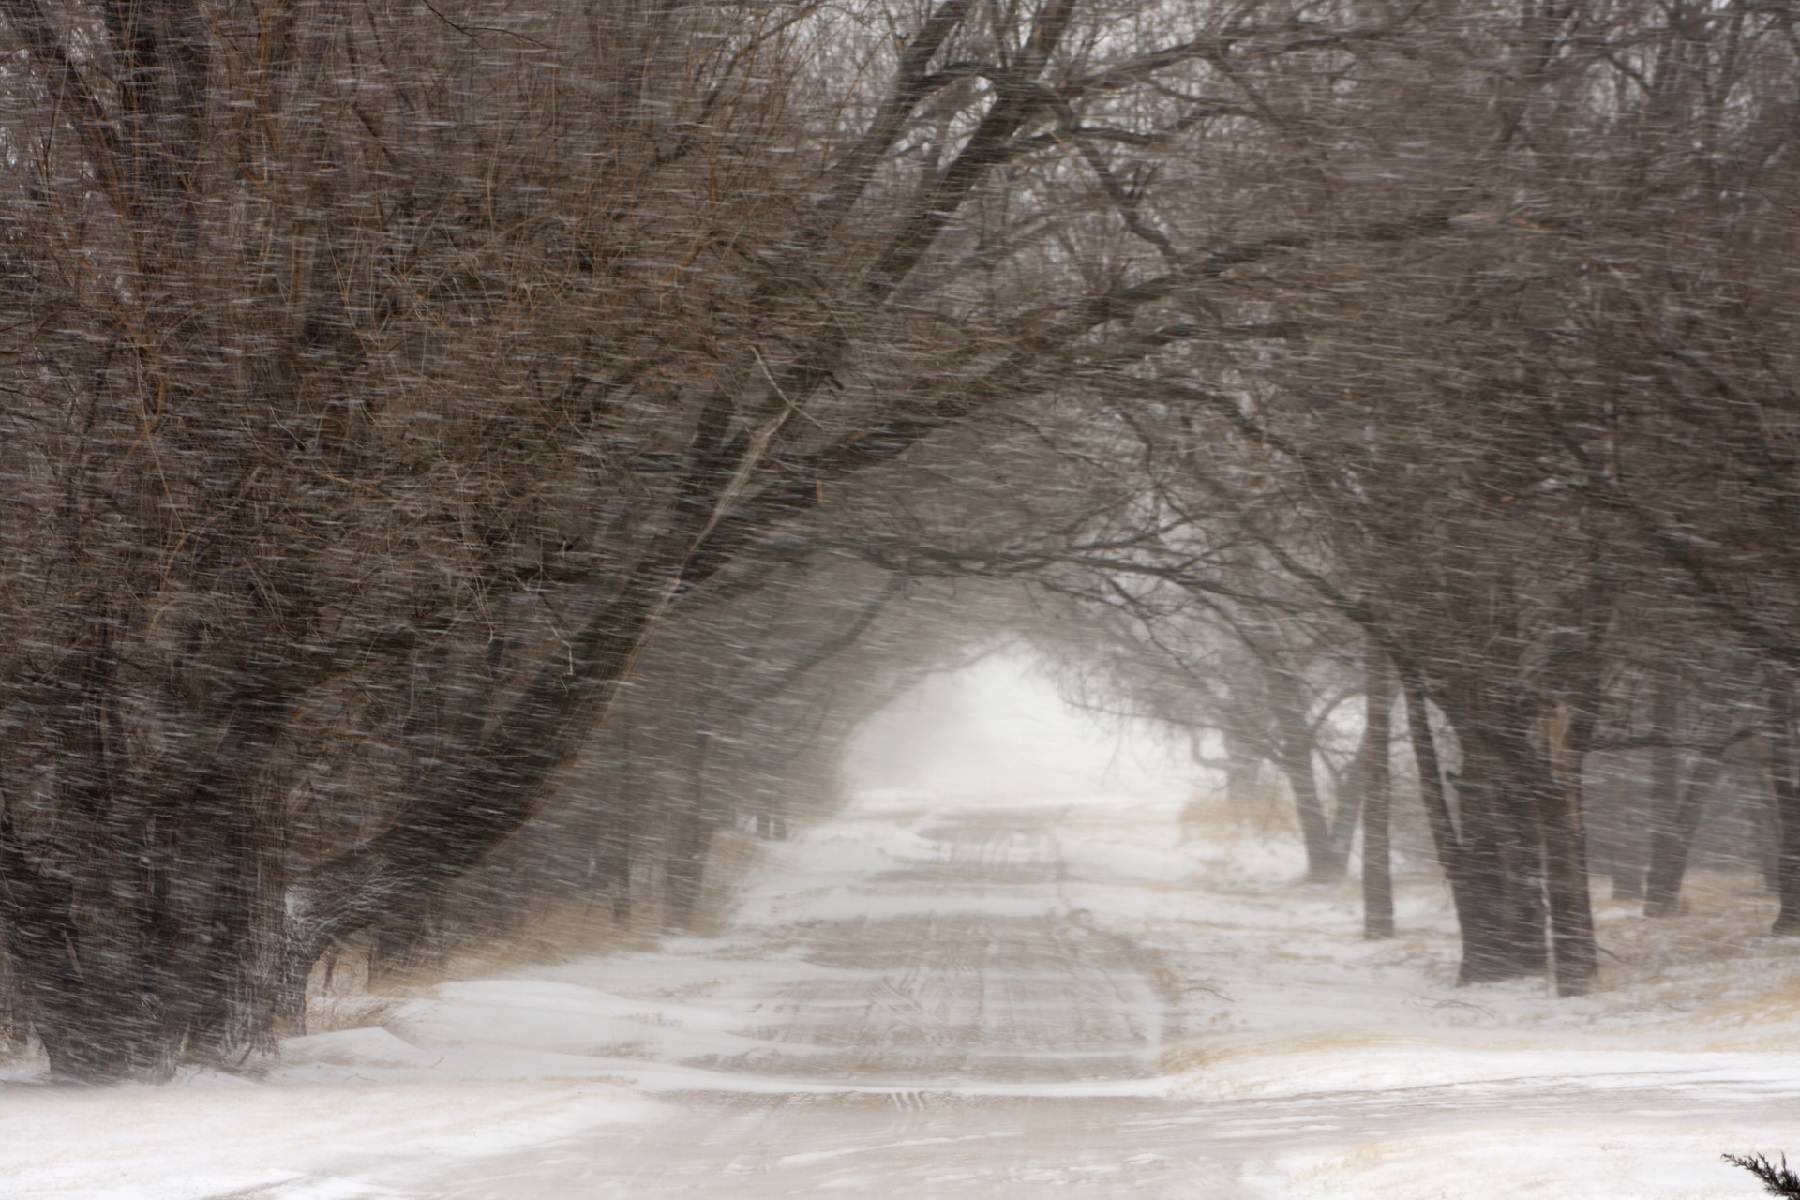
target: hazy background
999 727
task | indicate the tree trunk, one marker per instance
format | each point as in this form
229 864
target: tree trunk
144 924
1782 773
619 831
1677 825
1506 936
1347 816
1470 860
408 936
1768 828
1574 954
685 872
1444 838
1630 842
490 792
1296 742
1492 927
1378 886
1522 842
1668 850
43 942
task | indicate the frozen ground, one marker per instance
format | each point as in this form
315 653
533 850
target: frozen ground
999 997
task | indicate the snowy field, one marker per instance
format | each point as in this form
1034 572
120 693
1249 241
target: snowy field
999 995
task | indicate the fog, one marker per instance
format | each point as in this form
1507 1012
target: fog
1000 727
917 597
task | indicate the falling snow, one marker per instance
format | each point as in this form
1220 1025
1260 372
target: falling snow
1154 597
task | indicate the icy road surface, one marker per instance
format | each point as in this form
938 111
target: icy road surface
1000 999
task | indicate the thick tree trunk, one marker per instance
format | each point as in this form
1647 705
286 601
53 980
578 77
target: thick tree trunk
151 918
1528 911
1784 773
43 943
1469 856
1491 927
1506 936
1378 886
164 944
1574 953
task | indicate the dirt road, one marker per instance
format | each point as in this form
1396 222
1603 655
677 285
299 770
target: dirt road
954 1024
995 997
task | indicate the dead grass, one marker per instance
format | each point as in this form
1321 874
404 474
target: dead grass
331 1014
1261 812
342 993
343 986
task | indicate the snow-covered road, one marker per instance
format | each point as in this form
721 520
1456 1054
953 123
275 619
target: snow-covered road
1003 998
961 1023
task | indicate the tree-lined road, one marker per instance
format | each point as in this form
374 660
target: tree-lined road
960 1027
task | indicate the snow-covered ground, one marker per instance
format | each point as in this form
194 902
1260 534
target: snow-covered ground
1002 995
